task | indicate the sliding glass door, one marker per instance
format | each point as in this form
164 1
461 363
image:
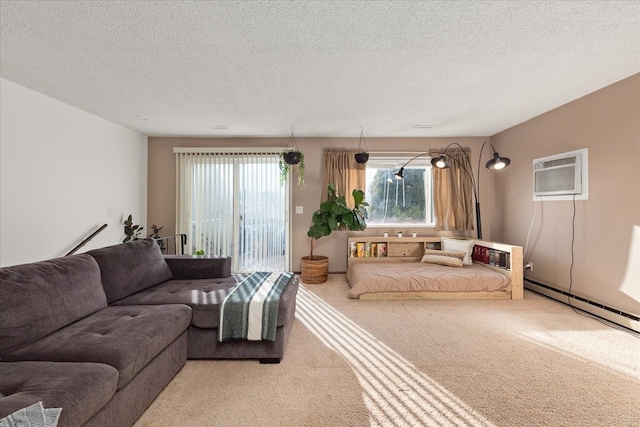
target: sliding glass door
232 203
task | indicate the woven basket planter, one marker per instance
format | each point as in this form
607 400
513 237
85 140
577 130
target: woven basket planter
314 270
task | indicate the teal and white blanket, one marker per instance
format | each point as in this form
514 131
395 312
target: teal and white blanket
250 311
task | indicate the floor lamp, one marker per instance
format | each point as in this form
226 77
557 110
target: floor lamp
442 162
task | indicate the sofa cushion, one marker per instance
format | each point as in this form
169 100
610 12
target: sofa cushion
126 338
42 297
185 267
130 267
80 389
204 297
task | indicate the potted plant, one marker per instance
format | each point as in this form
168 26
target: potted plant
292 157
334 214
156 235
289 158
131 230
362 156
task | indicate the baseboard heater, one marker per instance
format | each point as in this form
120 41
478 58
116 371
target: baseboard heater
622 318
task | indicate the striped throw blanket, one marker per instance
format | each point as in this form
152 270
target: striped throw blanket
250 311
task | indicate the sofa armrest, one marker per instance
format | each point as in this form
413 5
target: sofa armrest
185 267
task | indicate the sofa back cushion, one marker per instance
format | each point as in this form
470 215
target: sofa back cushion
131 267
40 298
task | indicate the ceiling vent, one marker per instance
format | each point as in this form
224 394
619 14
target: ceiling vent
561 177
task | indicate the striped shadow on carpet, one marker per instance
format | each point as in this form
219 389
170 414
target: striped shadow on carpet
395 391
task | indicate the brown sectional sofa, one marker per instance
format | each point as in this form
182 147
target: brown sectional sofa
101 334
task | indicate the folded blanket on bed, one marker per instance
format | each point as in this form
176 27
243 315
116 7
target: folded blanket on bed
250 311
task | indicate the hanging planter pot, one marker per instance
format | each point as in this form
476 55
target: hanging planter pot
292 157
362 156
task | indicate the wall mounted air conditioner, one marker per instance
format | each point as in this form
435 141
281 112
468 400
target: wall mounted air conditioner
561 177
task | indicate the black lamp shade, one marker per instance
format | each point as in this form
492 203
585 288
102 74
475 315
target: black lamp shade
400 173
440 162
291 157
362 157
498 162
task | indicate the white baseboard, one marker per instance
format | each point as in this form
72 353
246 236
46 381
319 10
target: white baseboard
611 316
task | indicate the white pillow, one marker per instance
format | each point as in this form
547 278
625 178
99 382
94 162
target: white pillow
465 246
449 261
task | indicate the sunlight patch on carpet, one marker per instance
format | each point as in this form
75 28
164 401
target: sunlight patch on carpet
395 392
586 346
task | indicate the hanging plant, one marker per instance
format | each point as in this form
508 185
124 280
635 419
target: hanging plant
362 156
285 167
291 156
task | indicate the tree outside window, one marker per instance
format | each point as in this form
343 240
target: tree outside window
398 202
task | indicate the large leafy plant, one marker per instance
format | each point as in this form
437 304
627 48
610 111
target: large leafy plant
335 214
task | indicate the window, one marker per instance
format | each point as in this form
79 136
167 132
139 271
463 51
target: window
231 203
396 202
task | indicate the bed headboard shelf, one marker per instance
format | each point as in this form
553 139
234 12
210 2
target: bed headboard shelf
515 270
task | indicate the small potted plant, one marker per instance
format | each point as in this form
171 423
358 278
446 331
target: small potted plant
131 230
156 235
333 214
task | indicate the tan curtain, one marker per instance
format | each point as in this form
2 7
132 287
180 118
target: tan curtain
342 170
453 193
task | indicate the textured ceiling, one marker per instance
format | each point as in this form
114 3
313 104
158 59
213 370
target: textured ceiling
182 68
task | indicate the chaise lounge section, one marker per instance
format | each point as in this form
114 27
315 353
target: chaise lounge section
101 334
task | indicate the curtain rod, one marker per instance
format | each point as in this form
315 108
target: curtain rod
228 150
410 152
398 152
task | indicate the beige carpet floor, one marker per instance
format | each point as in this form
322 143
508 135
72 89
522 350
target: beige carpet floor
419 363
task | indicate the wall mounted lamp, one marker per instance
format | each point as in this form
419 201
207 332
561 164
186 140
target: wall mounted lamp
443 162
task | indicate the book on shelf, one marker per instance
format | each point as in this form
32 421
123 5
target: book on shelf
353 251
382 250
367 250
494 257
502 259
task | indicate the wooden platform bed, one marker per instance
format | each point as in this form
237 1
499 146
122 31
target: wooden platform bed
399 273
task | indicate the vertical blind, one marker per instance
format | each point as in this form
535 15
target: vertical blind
232 203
